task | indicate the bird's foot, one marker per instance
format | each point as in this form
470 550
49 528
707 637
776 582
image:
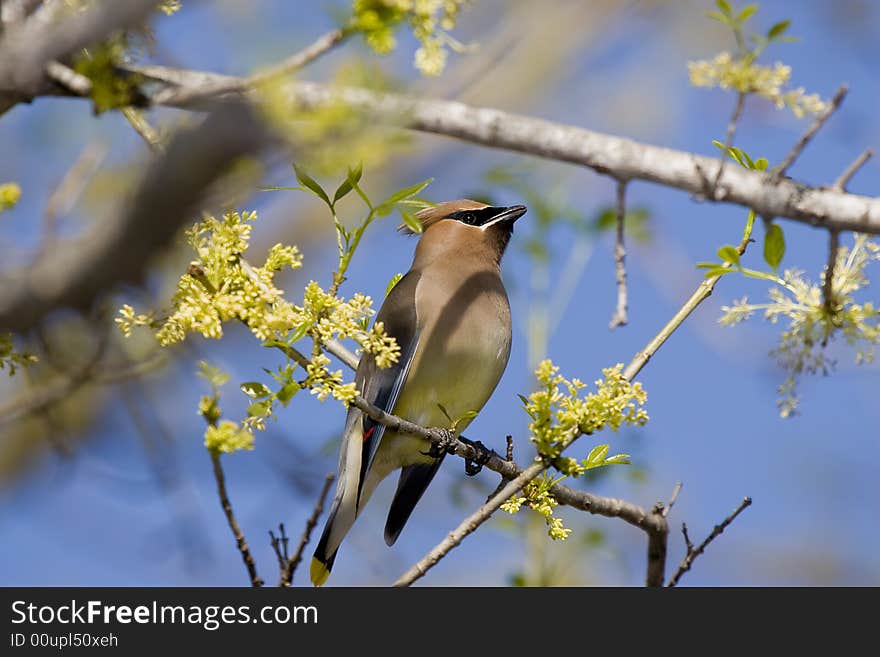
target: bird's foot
473 466
443 443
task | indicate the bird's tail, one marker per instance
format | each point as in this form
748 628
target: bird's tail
322 561
344 510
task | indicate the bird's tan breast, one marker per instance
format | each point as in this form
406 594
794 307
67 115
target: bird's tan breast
464 344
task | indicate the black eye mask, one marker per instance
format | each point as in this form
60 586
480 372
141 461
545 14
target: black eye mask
475 217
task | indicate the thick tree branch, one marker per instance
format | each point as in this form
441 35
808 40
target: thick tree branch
693 553
26 50
616 156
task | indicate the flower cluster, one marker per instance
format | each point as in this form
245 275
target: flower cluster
169 7
10 193
559 415
812 323
221 435
745 76
221 286
228 436
536 495
10 359
430 21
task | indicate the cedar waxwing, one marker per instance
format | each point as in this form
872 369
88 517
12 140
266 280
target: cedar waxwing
451 317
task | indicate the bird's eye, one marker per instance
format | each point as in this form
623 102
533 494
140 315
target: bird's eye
470 219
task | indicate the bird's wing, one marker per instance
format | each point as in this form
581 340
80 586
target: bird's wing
381 386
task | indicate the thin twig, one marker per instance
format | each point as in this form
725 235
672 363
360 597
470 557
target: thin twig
780 170
470 524
293 562
688 544
147 132
672 498
509 458
840 184
71 187
828 296
620 317
68 78
234 85
728 139
279 546
703 291
233 523
693 553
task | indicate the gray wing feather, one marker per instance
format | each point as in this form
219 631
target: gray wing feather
381 386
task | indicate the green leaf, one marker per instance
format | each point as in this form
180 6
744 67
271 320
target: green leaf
411 221
729 254
746 13
288 390
467 415
598 454
523 399
774 246
750 224
618 459
308 182
444 411
300 332
388 204
255 389
716 16
778 29
761 164
718 271
260 409
708 265
394 281
353 178
724 6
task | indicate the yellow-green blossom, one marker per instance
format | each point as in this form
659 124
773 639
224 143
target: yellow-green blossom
10 359
10 193
743 75
812 323
228 436
536 495
169 7
430 21
559 415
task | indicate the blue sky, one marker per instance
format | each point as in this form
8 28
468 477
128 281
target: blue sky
101 517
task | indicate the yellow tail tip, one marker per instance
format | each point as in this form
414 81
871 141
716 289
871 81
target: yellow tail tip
319 572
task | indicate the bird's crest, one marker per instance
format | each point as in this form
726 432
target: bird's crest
430 216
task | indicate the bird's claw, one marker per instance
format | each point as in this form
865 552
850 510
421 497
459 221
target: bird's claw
444 443
474 466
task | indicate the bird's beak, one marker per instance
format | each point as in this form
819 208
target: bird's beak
506 215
